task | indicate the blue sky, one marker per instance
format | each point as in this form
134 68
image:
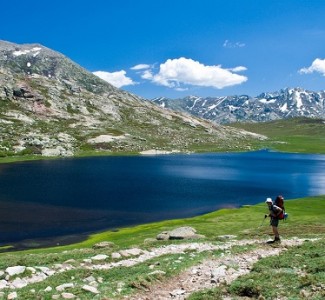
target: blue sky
175 48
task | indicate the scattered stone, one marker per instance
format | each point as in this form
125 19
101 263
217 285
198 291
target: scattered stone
3 284
12 295
19 283
131 252
116 255
177 292
227 237
218 273
48 289
68 296
99 257
102 245
11 271
91 289
90 279
64 286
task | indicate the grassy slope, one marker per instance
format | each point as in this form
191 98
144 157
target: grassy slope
303 135
306 218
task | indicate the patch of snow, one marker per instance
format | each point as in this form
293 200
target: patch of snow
24 52
297 99
212 106
284 107
265 101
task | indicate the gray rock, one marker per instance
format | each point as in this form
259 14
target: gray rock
184 233
91 289
16 270
3 284
19 283
62 287
68 296
12 296
164 236
99 257
116 255
102 245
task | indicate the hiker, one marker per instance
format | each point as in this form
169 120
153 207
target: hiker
275 212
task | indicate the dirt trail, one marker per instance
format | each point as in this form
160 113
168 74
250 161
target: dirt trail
211 273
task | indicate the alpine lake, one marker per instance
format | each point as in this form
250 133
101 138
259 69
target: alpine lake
51 202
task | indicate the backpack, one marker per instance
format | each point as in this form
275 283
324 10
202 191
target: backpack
279 201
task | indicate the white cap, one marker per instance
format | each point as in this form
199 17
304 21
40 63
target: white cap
268 200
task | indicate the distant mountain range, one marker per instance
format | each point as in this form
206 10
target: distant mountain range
286 103
51 106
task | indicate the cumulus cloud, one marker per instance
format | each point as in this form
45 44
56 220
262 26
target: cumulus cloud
228 44
175 73
318 65
118 79
140 67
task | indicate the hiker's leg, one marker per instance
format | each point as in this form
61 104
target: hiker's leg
276 232
275 223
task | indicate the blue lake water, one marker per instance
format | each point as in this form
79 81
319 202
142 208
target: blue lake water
44 199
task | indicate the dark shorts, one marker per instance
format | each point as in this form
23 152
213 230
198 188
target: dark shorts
274 222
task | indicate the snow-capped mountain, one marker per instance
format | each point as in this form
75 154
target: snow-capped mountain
282 104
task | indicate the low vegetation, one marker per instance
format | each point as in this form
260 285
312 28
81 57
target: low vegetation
303 135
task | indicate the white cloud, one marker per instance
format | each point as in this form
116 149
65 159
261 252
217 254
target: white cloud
238 69
318 65
140 67
228 44
175 73
147 74
118 79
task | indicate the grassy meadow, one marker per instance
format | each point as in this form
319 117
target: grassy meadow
303 135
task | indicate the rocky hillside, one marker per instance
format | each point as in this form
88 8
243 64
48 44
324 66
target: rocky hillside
283 104
51 106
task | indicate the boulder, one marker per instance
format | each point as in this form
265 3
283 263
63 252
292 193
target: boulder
102 245
16 270
179 233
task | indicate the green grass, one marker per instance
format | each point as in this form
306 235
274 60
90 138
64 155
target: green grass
306 218
304 135
300 268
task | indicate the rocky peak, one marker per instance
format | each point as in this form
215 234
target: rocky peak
45 95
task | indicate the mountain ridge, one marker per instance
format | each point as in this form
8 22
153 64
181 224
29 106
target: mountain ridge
285 103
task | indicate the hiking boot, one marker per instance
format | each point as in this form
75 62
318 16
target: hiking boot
276 239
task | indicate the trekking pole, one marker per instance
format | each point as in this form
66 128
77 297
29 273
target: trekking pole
262 221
